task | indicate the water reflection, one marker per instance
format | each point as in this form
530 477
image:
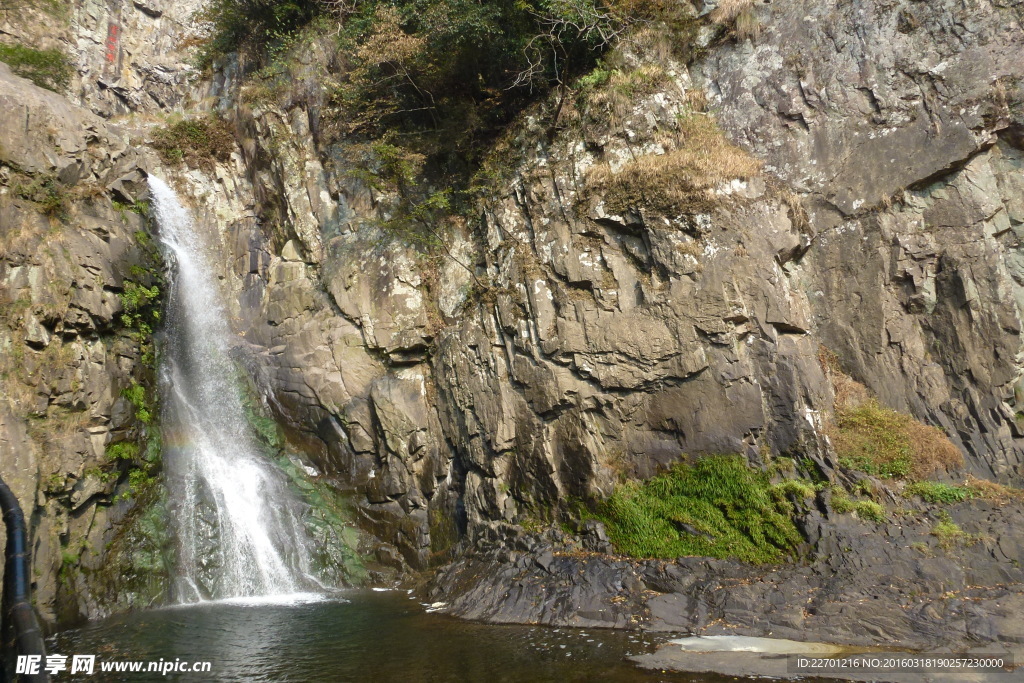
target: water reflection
380 637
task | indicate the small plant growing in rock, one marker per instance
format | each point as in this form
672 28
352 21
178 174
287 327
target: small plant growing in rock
47 193
197 142
939 493
122 450
947 531
869 510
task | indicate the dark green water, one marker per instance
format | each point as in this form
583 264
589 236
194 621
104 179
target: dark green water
379 637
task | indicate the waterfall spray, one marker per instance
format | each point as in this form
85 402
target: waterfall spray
238 525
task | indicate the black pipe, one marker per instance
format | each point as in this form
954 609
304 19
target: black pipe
21 633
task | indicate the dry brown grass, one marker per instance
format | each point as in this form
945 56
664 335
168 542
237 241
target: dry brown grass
740 15
652 44
624 87
933 451
873 438
848 392
680 181
696 100
992 491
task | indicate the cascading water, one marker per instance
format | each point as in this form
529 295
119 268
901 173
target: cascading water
239 527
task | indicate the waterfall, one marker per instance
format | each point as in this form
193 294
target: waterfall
238 526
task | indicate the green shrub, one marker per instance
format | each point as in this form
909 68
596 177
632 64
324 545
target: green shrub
50 69
141 312
937 492
718 507
197 142
135 394
122 450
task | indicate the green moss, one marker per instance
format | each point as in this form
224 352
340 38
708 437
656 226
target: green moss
264 426
50 69
444 534
718 507
939 493
329 524
328 519
139 557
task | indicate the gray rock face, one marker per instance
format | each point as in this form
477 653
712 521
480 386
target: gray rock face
871 584
570 341
66 353
857 105
885 226
128 57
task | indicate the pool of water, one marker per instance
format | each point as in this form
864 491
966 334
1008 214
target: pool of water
368 636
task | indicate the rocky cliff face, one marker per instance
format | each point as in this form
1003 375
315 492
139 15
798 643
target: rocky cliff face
75 249
603 312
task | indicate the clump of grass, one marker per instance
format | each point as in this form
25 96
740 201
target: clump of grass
197 142
877 440
47 193
718 507
740 15
681 180
864 509
50 69
798 488
841 503
947 531
869 510
992 491
936 492
614 92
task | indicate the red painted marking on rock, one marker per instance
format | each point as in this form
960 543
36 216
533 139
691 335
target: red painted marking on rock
112 37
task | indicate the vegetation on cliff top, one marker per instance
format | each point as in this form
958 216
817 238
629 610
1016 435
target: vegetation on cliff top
717 507
440 75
